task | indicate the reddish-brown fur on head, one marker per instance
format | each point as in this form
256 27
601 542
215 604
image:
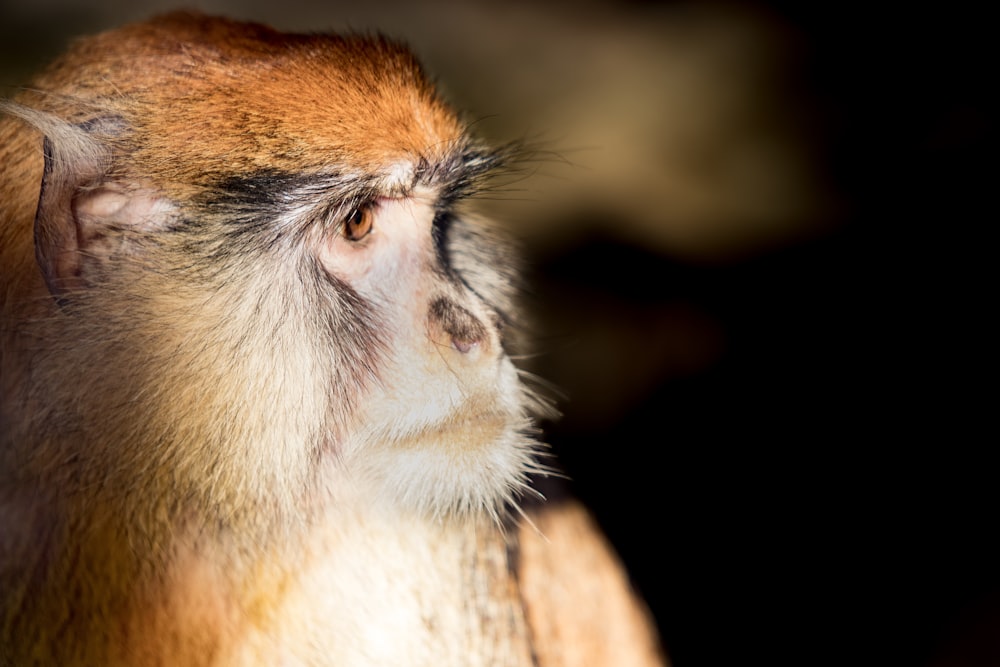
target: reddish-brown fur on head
254 98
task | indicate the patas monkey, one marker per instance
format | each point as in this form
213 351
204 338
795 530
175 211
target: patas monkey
257 406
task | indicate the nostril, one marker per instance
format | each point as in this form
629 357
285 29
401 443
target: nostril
464 345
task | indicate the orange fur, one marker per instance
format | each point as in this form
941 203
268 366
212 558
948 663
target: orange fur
253 98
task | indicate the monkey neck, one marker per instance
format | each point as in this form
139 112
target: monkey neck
405 589
440 589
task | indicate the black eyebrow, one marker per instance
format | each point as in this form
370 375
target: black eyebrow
277 191
248 204
455 175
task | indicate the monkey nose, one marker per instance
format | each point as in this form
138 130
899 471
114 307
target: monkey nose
455 326
464 345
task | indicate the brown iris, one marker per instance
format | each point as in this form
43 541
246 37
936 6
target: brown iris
358 223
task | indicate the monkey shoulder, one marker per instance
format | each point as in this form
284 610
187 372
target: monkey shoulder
577 597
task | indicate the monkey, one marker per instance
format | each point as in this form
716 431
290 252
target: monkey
259 399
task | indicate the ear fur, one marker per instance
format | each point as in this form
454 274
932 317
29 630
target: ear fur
79 208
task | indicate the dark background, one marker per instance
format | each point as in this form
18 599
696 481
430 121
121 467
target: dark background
820 490
762 287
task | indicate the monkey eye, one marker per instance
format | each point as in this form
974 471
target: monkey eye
358 223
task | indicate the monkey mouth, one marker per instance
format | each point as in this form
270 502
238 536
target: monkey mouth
465 432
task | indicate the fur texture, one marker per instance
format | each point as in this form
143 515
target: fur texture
234 432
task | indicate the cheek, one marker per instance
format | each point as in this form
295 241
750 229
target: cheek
350 262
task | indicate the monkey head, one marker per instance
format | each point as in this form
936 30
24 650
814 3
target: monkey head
258 276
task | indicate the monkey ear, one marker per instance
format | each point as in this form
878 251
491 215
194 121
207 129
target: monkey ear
82 218
71 203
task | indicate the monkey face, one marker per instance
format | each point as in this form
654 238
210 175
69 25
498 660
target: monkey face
263 268
447 423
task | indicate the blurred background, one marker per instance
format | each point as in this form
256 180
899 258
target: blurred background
760 276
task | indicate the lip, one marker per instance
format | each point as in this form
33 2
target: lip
461 433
